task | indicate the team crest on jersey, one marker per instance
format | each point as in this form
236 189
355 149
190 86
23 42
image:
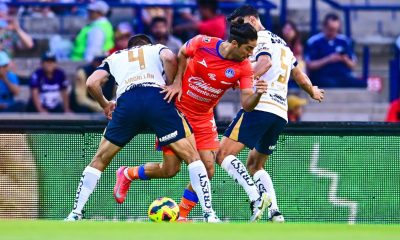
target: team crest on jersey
207 39
230 73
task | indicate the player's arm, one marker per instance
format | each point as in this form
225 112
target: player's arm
94 83
305 83
170 64
263 64
176 87
249 98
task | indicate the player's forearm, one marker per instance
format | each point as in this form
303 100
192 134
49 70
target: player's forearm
182 64
262 65
303 81
317 64
251 102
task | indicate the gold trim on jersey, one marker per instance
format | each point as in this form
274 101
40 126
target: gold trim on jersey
272 103
235 131
186 127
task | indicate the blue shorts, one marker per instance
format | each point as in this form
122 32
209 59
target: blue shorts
256 129
143 108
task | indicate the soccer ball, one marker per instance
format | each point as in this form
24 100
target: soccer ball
163 210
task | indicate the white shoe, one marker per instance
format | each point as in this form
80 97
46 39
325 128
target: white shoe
258 207
211 217
74 217
275 216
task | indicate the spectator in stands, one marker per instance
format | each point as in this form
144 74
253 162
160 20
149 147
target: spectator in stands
49 88
81 101
122 35
393 114
160 34
96 38
292 37
211 24
295 108
9 87
330 58
149 13
12 37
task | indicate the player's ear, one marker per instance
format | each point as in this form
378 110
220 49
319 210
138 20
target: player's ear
235 43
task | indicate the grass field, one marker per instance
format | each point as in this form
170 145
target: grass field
57 230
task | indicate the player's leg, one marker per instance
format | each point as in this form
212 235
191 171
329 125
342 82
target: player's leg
125 124
189 198
258 158
91 175
244 130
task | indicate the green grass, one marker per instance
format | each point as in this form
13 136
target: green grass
58 230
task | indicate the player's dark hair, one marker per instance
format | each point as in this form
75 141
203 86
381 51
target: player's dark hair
156 20
243 11
212 4
139 40
330 17
242 32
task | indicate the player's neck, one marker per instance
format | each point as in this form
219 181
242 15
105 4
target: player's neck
225 50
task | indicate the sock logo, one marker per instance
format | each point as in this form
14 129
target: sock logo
206 190
240 168
261 187
78 192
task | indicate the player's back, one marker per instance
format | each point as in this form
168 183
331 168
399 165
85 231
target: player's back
277 77
136 66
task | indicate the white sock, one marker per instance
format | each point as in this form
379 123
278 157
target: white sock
86 186
235 168
264 184
201 184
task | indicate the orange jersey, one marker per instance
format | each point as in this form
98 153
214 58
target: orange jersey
208 75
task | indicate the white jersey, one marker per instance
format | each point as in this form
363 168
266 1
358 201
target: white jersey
136 66
277 77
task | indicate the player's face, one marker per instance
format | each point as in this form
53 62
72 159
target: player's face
244 51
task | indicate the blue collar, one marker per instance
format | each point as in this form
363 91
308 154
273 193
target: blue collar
217 49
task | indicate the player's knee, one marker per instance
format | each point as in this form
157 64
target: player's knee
171 172
210 171
221 155
252 168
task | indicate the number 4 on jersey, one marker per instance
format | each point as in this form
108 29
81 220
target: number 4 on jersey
140 57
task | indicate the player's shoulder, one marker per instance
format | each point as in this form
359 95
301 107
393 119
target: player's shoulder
315 38
206 40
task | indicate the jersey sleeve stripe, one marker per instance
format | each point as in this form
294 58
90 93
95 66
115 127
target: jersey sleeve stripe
159 52
263 53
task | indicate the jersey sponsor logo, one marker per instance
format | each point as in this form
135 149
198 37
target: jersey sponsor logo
206 39
226 83
277 98
212 76
230 73
200 86
168 137
203 62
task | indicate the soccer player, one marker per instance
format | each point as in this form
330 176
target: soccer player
209 66
140 72
259 130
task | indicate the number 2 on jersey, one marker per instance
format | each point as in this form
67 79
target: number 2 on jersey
139 58
283 78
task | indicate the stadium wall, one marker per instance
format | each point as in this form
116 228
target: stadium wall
323 172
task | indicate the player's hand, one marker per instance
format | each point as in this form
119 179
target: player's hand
335 57
109 109
317 94
261 86
171 91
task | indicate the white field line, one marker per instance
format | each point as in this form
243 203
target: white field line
333 189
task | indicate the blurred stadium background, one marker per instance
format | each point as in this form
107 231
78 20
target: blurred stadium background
336 162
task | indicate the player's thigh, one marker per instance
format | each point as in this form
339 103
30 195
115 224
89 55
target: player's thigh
105 153
228 147
127 119
208 158
268 141
184 150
